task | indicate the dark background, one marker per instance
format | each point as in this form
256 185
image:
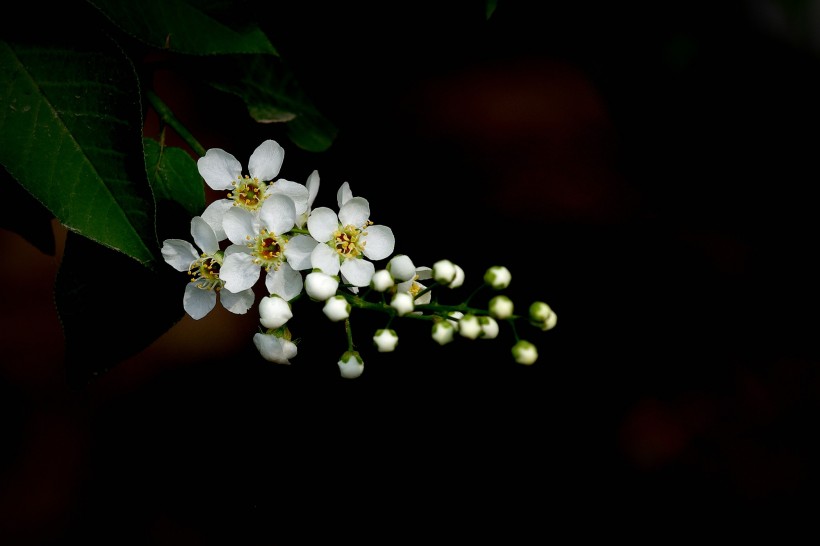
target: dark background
646 170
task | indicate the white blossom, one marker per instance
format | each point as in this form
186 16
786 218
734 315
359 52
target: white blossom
489 327
458 279
200 294
444 271
349 241
542 316
401 267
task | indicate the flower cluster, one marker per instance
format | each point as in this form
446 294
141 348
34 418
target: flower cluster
267 227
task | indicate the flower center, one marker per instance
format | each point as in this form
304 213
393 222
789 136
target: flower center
268 250
205 273
346 241
248 193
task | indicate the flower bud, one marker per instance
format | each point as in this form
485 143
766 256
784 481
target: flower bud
501 307
274 311
351 364
401 267
320 286
274 348
469 326
542 316
403 303
336 308
382 280
489 327
458 279
444 271
524 352
443 331
386 340
498 277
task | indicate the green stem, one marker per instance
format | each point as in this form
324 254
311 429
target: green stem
349 333
168 117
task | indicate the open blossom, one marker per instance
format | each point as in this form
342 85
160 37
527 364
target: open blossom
348 241
414 287
263 242
222 171
204 268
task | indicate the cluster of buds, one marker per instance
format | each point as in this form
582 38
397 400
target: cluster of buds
268 225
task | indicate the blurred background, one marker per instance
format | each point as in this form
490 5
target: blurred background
647 170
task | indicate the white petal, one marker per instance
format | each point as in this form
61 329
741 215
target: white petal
237 303
355 212
297 192
219 168
297 251
424 272
266 160
322 223
325 258
285 282
380 242
214 213
274 349
204 236
358 271
198 302
232 249
344 194
239 272
239 225
313 187
278 213
274 311
179 254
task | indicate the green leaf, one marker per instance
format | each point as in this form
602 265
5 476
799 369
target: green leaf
71 134
174 177
187 26
272 95
110 306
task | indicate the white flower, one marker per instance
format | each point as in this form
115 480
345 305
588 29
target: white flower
347 239
320 286
222 171
382 280
262 242
469 326
525 352
351 365
402 302
274 348
204 268
274 311
336 308
401 267
444 271
386 340
443 331
414 288
501 307
498 277
489 327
